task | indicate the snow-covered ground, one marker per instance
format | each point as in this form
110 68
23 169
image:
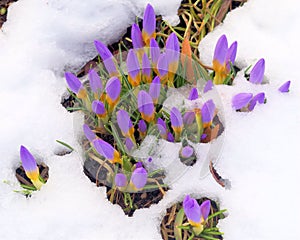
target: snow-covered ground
260 153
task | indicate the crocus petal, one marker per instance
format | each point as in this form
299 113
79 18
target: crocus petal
120 180
208 86
154 51
146 106
170 137
136 36
133 67
193 94
188 118
208 111
146 68
138 165
176 118
129 144
95 81
107 57
241 100
192 210
154 89
162 65
221 50
90 135
149 24
257 72
231 55
113 89
139 177
172 48
142 126
162 127
28 161
107 151
285 87
98 107
125 123
260 98
187 151
205 209
73 82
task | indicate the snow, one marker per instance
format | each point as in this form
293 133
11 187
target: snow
258 151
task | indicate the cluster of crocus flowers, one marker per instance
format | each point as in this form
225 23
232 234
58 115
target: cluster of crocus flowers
30 167
196 214
246 102
224 57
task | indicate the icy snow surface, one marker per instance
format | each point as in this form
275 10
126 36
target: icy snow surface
260 152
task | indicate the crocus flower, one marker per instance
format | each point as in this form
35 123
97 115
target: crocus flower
30 167
162 67
95 82
176 122
231 55
129 144
149 24
142 128
208 86
146 69
136 36
162 128
257 72
113 90
241 100
90 135
172 55
154 52
133 67
125 124
219 60
187 152
260 98
75 85
196 215
139 178
99 108
193 94
189 117
120 180
107 151
285 87
170 137
107 58
208 113
154 89
146 106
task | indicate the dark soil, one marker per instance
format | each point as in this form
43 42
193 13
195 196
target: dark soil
4 4
168 221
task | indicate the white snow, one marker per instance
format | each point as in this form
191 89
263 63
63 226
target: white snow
258 152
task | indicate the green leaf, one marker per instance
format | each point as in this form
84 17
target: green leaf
65 144
178 222
216 214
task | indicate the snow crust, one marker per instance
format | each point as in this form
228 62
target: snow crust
259 151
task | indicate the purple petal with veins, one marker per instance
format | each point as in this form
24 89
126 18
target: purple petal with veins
260 98
188 118
208 86
139 177
241 100
221 50
120 180
90 135
208 111
257 72
95 81
176 118
113 88
73 82
146 65
98 107
136 36
154 89
205 209
187 151
28 161
193 94
192 209
149 20
154 51
162 65
133 65
124 121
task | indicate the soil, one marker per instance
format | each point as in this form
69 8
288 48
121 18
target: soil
4 4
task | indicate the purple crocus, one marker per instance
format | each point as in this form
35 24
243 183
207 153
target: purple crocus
142 128
99 108
208 113
231 55
113 90
154 52
193 94
220 52
257 72
162 128
139 178
176 122
285 87
90 135
133 67
95 82
125 123
187 152
120 180
30 167
146 69
170 137
208 86
107 151
189 117
154 90
75 85
162 67
241 100
172 54
146 106
136 36
129 144
149 24
258 98
107 58
196 215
